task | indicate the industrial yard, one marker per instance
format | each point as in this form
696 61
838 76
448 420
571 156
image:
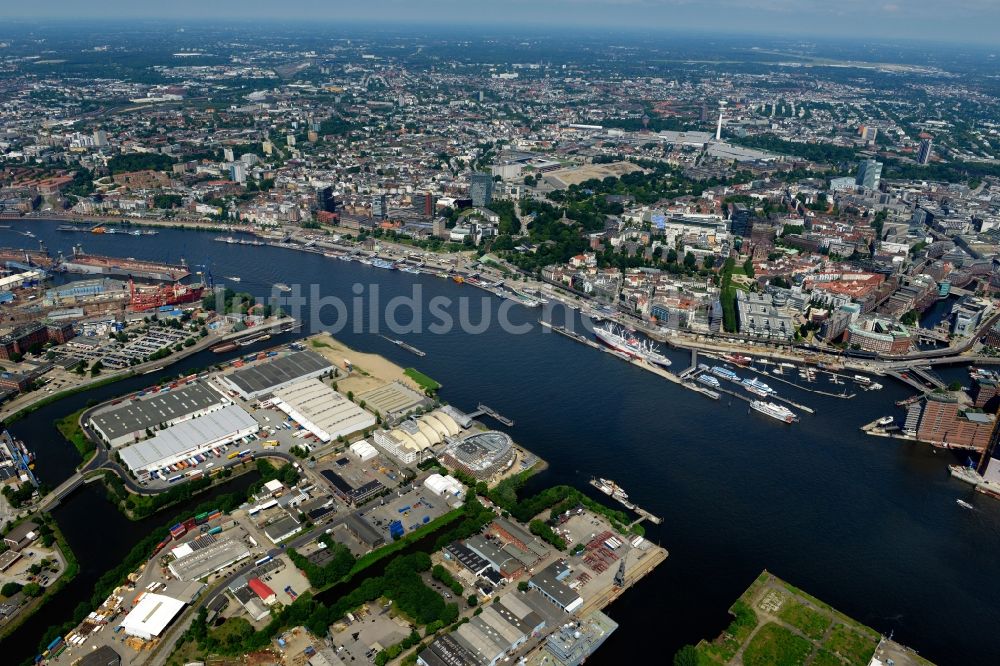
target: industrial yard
344 480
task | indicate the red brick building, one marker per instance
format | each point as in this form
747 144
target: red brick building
946 422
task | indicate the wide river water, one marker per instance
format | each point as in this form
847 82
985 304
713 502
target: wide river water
869 525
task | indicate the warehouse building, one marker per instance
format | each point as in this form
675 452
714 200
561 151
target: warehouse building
444 486
151 616
549 582
363 450
189 438
102 656
573 642
363 531
394 400
282 529
263 379
127 423
206 561
488 638
321 410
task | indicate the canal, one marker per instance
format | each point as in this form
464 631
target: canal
869 525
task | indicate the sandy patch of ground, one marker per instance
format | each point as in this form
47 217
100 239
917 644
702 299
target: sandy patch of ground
370 370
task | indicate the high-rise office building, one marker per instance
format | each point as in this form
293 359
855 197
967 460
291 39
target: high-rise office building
481 189
869 174
741 221
380 206
424 203
325 200
238 172
924 153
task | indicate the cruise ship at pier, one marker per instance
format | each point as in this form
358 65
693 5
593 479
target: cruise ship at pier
775 411
622 340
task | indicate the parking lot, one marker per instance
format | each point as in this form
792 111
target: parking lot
413 509
374 628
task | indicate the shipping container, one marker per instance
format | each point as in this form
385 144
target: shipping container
215 530
175 479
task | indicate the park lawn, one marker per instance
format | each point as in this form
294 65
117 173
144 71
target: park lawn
773 645
808 620
852 647
319 344
422 379
825 658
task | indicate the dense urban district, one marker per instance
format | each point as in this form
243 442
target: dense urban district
787 209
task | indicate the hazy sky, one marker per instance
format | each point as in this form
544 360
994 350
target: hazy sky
941 20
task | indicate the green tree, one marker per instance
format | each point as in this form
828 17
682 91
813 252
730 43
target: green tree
10 589
687 656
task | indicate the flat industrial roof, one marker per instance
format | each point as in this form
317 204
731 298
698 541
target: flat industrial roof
392 398
321 410
262 377
186 436
138 415
151 615
208 560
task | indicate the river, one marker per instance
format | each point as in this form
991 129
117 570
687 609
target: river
869 525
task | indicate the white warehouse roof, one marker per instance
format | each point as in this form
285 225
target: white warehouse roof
444 485
364 450
187 436
321 410
151 616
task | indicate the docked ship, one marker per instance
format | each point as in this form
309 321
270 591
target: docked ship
224 347
738 359
611 488
171 294
382 263
775 411
725 373
757 387
708 380
17 258
623 341
92 264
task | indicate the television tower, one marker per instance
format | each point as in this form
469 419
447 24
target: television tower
718 129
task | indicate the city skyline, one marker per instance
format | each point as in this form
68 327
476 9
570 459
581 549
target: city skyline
961 22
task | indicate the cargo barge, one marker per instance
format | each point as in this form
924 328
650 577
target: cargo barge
93 264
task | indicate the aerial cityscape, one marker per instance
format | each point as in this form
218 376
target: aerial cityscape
589 331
